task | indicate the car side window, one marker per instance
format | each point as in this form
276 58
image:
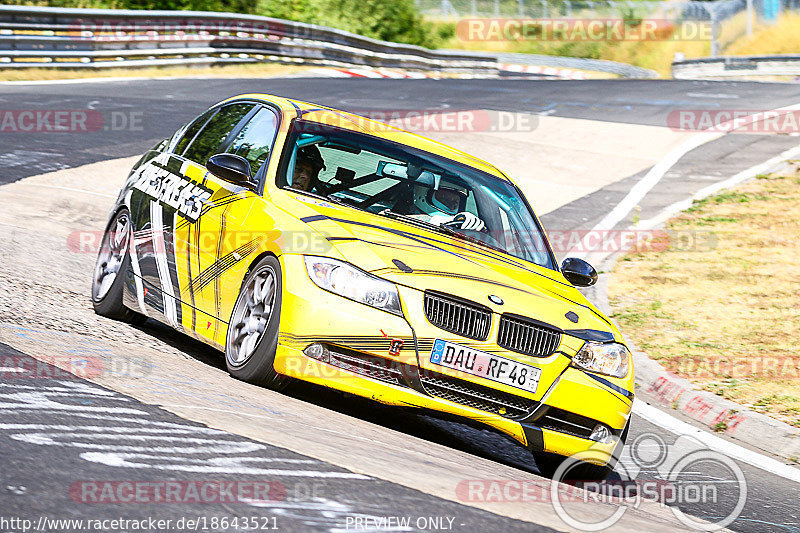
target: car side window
212 137
255 141
192 129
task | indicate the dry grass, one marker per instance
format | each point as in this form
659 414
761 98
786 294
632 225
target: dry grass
780 38
656 54
225 71
725 314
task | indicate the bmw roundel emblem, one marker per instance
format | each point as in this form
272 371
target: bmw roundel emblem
495 299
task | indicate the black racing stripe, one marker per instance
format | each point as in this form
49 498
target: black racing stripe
411 236
302 113
345 338
224 263
421 239
212 273
615 388
197 234
223 223
168 216
225 200
467 277
174 165
430 240
591 335
314 218
189 277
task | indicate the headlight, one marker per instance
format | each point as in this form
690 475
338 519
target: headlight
611 359
348 281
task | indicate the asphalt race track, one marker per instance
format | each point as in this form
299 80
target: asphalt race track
49 425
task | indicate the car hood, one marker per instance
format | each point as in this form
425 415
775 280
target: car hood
426 260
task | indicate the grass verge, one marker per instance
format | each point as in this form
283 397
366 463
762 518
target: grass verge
720 306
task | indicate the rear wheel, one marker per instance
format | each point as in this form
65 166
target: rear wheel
253 329
549 463
113 261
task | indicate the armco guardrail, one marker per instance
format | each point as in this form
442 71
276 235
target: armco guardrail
103 38
76 38
736 66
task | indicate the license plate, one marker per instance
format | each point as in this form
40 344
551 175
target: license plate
485 365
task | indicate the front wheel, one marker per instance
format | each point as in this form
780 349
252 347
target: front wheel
252 339
113 262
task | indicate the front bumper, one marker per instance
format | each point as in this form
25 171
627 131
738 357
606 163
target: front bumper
359 340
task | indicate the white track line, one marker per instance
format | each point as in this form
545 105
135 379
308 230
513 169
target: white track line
654 175
734 451
714 188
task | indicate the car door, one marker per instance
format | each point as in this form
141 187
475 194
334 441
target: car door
219 240
169 193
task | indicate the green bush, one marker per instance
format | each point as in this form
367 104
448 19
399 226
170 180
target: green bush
387 20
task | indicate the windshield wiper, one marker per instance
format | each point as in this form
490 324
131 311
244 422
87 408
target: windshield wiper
415 221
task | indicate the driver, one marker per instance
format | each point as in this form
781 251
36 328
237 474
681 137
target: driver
307 166
438 205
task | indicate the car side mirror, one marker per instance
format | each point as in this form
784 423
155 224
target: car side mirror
579 272
231 168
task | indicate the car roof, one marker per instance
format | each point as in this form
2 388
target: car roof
342 119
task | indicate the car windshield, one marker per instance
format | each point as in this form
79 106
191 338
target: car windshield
404 183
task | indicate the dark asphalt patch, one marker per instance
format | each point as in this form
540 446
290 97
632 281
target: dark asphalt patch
73 450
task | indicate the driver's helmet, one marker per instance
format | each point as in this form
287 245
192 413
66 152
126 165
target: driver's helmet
310 155
428 200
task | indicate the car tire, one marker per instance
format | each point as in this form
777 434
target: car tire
252 339
113 263
548 464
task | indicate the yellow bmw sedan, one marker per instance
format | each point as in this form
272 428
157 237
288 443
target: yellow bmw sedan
308 243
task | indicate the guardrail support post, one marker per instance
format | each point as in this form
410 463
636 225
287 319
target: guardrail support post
714 31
